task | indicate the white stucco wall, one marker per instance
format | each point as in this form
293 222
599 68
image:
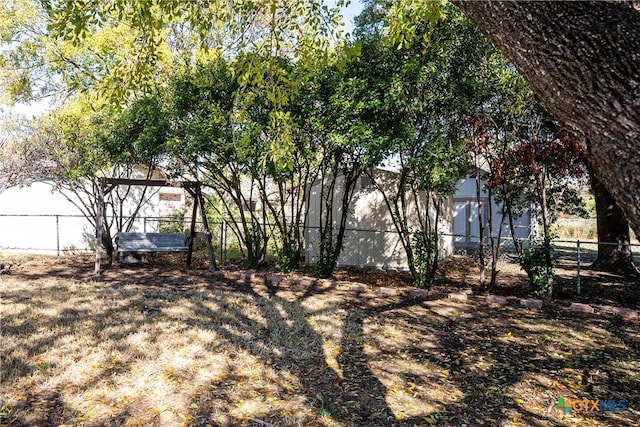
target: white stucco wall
36 219
370 239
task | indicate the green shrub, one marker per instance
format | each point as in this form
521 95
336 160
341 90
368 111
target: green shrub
537 262
425 258
174 224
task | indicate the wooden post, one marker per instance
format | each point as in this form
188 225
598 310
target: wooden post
200 201
192 232
99 215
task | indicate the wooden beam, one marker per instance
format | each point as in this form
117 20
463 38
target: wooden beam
149 182
191 192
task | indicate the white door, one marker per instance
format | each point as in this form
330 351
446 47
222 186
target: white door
466 225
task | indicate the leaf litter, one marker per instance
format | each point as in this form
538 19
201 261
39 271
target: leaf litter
161 345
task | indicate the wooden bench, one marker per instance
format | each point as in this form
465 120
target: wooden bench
145 243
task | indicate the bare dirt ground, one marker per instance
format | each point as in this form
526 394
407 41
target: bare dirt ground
461 273
159 344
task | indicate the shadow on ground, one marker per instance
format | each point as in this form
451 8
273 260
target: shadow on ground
160 346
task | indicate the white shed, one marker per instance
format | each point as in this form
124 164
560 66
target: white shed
371 239
466 226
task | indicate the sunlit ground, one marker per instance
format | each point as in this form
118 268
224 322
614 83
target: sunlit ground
166 347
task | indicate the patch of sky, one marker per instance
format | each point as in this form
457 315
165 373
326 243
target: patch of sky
349 12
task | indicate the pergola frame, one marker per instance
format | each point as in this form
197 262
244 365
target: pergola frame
193 188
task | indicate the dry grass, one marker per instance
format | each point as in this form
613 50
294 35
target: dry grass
163 346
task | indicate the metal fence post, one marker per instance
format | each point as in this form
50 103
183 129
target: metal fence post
58 235
578 253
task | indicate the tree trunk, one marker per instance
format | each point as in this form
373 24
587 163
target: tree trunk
481 224
582 59
107 243
614 255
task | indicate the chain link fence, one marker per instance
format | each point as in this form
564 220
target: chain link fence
66 234
582 256
46 234
72 234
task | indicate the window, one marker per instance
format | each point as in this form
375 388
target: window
170 197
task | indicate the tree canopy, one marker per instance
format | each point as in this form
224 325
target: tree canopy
262 99
123 46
